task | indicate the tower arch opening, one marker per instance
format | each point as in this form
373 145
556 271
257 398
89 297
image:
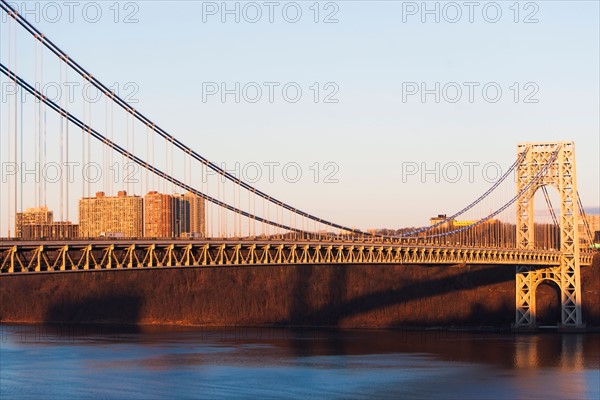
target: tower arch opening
547 303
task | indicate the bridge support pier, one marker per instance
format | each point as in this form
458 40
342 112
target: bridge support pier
527 280
562 175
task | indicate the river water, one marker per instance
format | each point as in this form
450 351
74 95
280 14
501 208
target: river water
115 362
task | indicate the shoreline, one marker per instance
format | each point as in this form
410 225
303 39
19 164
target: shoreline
157 327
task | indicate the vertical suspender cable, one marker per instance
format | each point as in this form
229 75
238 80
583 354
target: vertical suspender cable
105 153
127 146
147 157
1 132
62 141
21 148
15 127
133 151
83 164
8 144
67 146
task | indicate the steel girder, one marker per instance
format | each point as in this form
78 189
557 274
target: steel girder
82 256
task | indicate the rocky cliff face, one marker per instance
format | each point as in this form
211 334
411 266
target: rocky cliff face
340 296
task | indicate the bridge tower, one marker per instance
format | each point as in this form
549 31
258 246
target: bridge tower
562 175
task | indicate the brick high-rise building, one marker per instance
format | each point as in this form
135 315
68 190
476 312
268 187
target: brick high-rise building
197 214
39 216
157 215
166 215
54 230
105 216
38 223
181 215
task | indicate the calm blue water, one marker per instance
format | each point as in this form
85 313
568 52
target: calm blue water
41 362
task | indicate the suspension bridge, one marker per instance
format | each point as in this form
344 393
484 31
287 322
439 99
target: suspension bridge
240 224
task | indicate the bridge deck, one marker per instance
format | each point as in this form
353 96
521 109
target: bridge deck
85 255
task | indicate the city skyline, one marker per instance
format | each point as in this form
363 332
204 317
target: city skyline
155 215
162 215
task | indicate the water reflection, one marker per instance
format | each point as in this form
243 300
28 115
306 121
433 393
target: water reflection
117 361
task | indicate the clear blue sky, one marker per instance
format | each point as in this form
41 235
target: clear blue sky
371 131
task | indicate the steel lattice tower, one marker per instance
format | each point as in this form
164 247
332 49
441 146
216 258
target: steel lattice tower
562 175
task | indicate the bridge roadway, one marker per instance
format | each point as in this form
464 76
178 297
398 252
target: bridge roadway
21 256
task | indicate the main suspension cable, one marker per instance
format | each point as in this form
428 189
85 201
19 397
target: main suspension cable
103 139
536 178
142 118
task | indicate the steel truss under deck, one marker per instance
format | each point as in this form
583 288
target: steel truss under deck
20 257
